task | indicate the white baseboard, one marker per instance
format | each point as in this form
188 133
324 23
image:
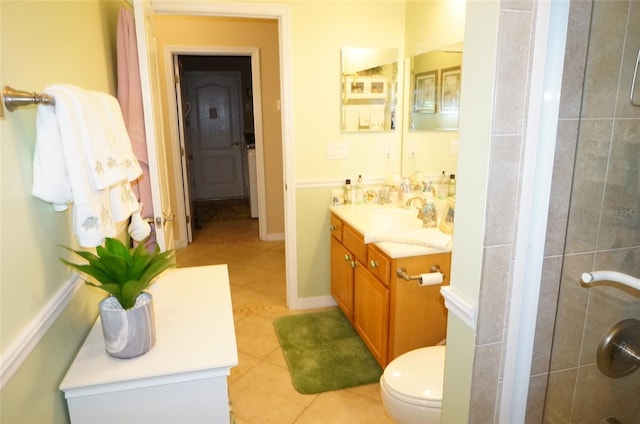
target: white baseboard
275 237
313 302
19 350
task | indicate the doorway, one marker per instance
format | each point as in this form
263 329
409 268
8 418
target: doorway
224 84
603 229
214 96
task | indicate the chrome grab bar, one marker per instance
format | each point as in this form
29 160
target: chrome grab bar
617 277
633 81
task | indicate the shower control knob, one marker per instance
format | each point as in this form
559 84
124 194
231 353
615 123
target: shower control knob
619 351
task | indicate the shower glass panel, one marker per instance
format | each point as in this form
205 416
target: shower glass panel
603 227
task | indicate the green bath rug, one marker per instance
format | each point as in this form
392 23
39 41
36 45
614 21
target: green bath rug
324 352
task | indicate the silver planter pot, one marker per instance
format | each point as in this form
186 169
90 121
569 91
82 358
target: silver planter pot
128 333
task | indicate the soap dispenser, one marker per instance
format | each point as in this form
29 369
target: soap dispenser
429 214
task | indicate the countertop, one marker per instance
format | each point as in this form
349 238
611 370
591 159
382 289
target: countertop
357 216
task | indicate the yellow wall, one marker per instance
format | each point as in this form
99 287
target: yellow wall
320 30
43 43
200 31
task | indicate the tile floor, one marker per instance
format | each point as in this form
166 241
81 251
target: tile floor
260 387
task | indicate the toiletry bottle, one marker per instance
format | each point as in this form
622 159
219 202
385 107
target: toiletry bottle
452 185
429 214
406 185
443 186
359 191
394 195
348 192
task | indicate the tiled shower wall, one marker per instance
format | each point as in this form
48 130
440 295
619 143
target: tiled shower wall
514 50
599 132
602 224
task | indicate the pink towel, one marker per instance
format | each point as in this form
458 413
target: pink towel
130 98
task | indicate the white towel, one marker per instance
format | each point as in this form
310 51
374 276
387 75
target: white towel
428 237
93 122
50 178
83 155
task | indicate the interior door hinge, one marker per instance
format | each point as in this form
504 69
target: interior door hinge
188 219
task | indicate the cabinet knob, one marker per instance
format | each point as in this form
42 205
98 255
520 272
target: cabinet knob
347 258
373 264
354 264
332 228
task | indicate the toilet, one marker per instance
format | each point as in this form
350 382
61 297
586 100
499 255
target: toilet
411 386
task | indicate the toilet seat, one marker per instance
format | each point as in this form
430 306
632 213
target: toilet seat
417 377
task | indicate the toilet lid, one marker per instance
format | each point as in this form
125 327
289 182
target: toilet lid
417 376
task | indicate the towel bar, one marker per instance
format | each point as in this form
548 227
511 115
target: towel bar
13 99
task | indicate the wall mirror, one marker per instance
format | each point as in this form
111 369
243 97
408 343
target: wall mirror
435 81
369 89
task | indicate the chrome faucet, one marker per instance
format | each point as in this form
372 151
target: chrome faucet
410 201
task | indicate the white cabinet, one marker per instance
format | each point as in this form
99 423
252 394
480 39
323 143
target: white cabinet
183 378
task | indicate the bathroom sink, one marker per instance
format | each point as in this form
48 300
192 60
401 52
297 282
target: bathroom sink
401 225
390 219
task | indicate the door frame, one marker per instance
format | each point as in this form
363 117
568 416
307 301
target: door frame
282 14
177 139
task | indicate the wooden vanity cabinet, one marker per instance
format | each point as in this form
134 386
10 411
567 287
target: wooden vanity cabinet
391 315
343 263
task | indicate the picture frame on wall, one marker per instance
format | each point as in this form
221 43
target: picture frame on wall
426 92
450 88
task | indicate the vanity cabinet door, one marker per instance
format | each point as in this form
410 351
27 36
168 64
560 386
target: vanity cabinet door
342 273
371 313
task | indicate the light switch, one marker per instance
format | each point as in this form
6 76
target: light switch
413 149
388 150
336 151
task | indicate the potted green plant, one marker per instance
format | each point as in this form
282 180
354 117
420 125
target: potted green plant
127 314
